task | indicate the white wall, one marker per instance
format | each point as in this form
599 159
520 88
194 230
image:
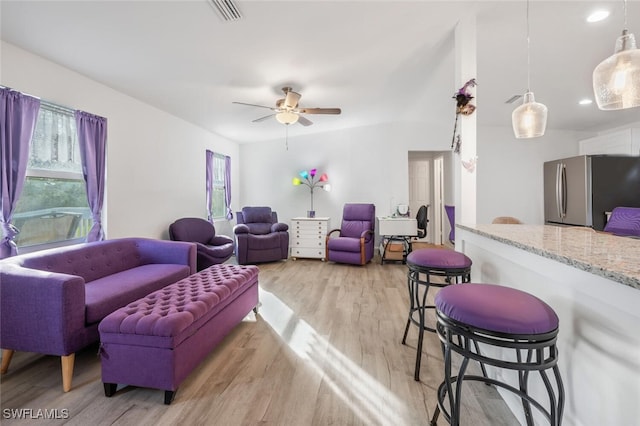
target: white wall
155 161
510 171
367 164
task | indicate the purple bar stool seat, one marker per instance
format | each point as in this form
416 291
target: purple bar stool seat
514 323
451 265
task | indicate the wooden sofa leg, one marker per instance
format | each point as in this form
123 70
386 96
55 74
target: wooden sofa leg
67 371
6 359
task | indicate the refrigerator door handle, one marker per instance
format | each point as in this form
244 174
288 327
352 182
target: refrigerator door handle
564 190
558 190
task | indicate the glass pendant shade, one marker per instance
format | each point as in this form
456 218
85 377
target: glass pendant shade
529 120
616 80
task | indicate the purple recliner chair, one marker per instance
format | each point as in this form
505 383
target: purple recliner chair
355 241
212 249
260 237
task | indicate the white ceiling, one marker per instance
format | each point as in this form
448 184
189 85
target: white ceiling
373 59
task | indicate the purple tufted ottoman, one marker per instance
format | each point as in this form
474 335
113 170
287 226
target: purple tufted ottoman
158 340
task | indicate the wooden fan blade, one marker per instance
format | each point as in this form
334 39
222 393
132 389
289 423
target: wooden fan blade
262 118
304 121
259 106
319 110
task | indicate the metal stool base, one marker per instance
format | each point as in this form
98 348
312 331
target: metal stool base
534 353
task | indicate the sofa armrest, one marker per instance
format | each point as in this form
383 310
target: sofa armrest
41 311
279 227
162 251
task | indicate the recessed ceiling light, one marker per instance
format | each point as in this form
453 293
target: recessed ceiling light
598 16
585 102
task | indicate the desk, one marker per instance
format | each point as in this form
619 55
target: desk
399 229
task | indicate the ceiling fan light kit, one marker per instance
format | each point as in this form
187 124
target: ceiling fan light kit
616 80
287 111
287 117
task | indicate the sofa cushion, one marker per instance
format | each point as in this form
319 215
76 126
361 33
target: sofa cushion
344 244
109 293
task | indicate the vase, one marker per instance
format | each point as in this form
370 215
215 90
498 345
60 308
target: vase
311 213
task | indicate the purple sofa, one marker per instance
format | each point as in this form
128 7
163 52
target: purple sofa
355 240
52 300
212 249
259 236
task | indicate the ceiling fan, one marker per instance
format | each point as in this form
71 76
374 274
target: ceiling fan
287 111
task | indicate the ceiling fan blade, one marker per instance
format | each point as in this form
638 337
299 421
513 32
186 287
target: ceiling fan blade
257 120
304 121
319 110
259 106
291 99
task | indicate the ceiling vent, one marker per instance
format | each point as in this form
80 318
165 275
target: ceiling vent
227 10
512 99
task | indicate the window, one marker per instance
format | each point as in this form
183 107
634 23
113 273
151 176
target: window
218 204
53 205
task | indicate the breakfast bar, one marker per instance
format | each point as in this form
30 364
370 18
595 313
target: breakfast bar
592 281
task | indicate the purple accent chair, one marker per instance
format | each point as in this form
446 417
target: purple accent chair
260 237
355 241
52 301
624 221
212 249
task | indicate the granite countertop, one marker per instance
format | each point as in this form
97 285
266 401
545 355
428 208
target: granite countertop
615 258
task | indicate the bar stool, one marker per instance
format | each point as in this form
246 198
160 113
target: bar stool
521 331
451 265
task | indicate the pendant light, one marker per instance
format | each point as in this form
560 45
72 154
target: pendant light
529 120
616 80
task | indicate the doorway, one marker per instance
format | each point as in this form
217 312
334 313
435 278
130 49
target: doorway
427 185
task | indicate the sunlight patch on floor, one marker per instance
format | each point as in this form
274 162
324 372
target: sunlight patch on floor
371 401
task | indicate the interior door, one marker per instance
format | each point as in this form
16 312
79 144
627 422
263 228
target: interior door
420 187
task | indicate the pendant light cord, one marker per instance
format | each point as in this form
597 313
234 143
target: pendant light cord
529 52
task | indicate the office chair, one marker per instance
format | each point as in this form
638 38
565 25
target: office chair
422 219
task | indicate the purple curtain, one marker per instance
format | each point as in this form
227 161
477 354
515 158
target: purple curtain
227 186
92 137
18 115
209 184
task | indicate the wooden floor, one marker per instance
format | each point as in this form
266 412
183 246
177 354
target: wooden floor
324 350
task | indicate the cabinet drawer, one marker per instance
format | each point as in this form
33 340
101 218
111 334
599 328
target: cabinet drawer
307 242
308 252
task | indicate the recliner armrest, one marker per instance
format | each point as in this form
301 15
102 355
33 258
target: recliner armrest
366 233
241 229
279 227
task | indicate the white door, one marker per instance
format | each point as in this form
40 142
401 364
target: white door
438 203
420 188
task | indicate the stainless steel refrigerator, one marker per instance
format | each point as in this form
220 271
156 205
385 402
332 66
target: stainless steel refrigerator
581 190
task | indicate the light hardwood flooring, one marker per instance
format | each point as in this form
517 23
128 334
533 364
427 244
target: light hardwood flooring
324 350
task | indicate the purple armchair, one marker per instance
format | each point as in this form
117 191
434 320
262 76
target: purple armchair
260 237
212 249
355 241
624 221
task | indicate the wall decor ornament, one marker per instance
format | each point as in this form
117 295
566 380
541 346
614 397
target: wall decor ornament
464 106
309 179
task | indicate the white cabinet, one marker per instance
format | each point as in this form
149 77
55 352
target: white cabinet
307 237
623 142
